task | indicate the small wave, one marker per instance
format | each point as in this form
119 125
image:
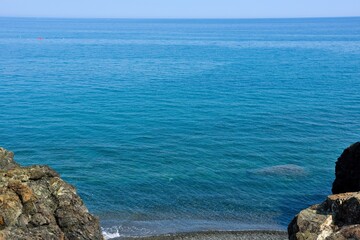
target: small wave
110 233
122 230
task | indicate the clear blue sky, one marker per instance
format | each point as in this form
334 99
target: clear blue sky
180 8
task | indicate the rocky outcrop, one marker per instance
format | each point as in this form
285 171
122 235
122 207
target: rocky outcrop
35 203
347 170
338 217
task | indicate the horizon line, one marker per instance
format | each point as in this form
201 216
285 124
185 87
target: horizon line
178 18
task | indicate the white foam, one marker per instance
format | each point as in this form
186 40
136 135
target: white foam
125 230
110 233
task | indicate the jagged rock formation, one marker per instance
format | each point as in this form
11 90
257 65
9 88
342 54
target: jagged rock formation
338 217
347 170
35 203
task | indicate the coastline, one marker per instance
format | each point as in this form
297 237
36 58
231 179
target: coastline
218 235
177 229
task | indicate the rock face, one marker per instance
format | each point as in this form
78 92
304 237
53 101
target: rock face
338 217
35 203
347 170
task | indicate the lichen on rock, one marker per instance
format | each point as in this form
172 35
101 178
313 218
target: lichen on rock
35 203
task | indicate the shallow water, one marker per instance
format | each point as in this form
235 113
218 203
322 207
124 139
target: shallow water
183 125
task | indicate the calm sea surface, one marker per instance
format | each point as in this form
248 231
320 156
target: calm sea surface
183 125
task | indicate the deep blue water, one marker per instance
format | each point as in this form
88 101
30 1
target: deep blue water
181 125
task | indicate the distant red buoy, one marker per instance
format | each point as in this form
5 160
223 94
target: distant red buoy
40 38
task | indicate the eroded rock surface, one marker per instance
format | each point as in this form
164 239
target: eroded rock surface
338 217
35 203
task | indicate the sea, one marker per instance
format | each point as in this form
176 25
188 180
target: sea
183 125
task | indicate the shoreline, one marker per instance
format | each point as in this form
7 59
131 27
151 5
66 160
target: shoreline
188 229
217 235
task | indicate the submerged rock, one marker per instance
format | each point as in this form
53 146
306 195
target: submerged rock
347 170
35 203
284 170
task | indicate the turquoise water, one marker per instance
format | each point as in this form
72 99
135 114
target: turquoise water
183 125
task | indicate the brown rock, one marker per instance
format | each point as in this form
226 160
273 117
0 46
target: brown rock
35 203
338 217
7 160
2 222
25 193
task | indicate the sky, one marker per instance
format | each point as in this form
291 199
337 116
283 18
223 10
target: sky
179 8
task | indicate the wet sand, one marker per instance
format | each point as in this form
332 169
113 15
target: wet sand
218 235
